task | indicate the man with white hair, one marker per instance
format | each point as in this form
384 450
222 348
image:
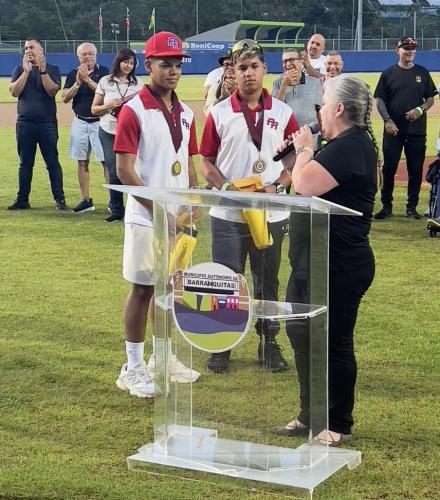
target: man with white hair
80 88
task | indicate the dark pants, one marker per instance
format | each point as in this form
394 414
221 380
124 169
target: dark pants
414 147
232 243
116 197
346 289
45 134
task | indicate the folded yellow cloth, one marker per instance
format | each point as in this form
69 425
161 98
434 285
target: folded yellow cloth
186 241
257 222
255 219
249 184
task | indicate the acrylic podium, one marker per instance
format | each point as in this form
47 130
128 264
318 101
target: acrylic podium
223 423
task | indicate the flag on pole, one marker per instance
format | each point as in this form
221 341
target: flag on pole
127 26
127 19
153 20
100 20
100 27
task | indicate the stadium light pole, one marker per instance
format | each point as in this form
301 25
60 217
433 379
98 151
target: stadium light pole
359 25
415 24
197 17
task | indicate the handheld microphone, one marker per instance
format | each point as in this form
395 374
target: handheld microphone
314 128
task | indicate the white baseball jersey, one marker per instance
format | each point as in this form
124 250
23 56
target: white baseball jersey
227 139
142 130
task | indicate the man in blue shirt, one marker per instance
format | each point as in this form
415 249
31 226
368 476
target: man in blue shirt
36 83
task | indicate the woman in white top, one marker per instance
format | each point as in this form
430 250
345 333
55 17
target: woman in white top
112 91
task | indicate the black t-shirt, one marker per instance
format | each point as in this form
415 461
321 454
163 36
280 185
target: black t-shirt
34 103
404 89
352 160
82 102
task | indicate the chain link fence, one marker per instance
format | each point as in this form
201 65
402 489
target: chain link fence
339 44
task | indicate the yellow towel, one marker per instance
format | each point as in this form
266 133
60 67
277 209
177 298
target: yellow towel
186 241
257 222
249 184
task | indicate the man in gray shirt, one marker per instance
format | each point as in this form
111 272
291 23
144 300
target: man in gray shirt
301 92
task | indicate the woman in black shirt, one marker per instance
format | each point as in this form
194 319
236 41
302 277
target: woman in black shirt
343 172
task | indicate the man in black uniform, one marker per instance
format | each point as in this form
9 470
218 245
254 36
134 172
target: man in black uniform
404 93
36 83
80 87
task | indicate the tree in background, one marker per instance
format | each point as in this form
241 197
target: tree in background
20 18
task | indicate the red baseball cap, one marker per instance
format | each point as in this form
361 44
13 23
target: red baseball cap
164 44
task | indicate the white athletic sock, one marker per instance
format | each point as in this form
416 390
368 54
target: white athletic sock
159 346
135 353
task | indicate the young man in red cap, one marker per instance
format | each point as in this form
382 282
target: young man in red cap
241 135
155 140
404 94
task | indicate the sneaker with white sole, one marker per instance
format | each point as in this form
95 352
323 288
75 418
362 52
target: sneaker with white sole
84 206
137 381
178 372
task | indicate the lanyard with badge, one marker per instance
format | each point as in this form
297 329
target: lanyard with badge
256 131
174 124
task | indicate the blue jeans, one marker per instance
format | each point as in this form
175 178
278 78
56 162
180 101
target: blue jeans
45 134
116 198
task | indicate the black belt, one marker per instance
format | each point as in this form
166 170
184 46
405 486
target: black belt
88 119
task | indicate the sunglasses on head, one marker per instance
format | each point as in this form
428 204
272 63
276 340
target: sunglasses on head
246 44
407 44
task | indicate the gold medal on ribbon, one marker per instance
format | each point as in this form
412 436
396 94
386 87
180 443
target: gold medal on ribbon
259 166
176 168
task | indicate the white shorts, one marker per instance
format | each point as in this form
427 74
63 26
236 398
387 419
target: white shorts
138 260
83 138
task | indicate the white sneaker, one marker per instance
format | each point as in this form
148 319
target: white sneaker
178 371
137 381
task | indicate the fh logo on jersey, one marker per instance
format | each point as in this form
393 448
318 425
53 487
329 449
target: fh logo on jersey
272 123
173 43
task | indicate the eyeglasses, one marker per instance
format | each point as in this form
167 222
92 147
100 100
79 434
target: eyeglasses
227 65
291 60
246 44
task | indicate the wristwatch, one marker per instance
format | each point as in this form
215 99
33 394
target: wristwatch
280 189
43 72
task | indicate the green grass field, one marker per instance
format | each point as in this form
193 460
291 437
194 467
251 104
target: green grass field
190 89
66 430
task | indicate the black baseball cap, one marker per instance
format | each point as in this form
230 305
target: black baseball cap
406 42
227 55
